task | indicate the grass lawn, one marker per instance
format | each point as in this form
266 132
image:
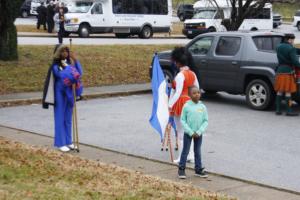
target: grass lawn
30 28
103 65
287 10
28 172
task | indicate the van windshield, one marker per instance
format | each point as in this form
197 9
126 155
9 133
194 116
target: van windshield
204 14
80 7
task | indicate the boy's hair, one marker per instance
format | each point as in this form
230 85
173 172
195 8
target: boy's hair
191 88
288 36
179 55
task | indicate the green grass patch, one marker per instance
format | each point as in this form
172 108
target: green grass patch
28 172
30 28
102 65
286 10
176 3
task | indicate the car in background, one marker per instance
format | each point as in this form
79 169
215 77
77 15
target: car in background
25 8
208 18
185 11
296 21
240 62
277 20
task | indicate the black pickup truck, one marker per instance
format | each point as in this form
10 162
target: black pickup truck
236 63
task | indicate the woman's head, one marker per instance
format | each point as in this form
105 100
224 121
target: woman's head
289 37
61 52
180 57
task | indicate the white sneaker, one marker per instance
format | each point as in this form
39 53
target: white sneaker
176 161
64 149
71 146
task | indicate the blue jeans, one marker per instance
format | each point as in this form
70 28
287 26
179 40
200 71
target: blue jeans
187 140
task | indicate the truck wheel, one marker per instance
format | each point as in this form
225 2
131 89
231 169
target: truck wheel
84 31
181 17
298 26
25 14
146 32
259 94
212 29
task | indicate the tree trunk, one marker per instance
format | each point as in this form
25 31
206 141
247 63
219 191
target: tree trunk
9 11
8 43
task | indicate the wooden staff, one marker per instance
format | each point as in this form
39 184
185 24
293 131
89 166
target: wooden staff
74 115
164 143
75 122
168 133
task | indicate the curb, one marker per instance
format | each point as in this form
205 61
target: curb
21 102
100 36
167 163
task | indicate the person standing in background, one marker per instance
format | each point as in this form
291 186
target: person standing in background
42 16
60 20
50 15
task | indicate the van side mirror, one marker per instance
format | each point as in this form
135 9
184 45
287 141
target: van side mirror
92 11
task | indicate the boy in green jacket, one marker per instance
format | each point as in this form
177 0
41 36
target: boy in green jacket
194 120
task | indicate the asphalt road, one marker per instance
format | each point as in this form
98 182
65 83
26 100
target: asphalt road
99 40
240 142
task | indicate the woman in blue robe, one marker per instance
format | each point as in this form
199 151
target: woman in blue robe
67 72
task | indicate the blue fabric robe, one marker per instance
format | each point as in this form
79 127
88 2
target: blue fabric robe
64 101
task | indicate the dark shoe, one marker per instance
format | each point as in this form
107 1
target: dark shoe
289 111
181 174
291 114
201 173
278 113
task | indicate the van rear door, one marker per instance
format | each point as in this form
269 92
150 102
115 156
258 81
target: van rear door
98 19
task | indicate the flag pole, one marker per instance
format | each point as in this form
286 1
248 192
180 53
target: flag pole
74 115
164 143
168 132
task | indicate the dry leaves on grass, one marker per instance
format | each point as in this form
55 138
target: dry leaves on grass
68 175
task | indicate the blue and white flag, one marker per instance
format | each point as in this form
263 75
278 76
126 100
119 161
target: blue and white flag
160 112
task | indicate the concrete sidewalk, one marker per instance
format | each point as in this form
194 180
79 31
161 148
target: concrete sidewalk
215 183
88 93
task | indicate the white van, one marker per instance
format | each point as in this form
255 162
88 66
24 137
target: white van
122 17
207 18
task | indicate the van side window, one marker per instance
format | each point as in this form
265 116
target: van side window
97 9
267 43
201 46
263 13
219 14
228 46
154 7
